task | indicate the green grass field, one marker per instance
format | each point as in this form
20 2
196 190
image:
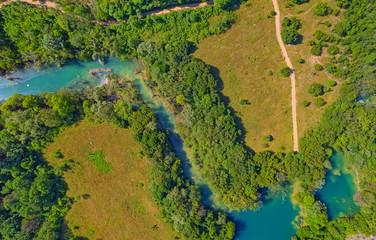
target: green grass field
109 205
244 56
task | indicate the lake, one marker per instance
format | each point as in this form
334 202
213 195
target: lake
273 221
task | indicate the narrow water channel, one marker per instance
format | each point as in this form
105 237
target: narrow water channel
273 221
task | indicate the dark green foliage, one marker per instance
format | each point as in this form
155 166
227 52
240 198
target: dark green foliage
316 50
298 1
289 31
285 72
320 102
306 103
319 67
99 161
300 60
316 89
333 50
322 9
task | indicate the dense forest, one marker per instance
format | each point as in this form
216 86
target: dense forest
33 194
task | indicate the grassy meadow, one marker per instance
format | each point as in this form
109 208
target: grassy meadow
247 59
109 205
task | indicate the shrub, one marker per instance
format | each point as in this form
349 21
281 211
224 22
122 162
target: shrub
285 72
316 89
268 138
298 1
301 60
244 102
306 103
333 50
270 73
332 83
320 102
289 35
322 9
272 13
319 67
58 154
336 12
311 43
316 50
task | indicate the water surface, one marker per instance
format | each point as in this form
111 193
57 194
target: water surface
339 189
74 75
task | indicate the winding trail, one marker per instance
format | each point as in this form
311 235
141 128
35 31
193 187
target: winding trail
292 76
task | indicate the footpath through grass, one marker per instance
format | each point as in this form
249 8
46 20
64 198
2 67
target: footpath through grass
309 117
114 204
248 59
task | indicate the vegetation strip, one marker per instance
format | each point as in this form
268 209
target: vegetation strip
292 75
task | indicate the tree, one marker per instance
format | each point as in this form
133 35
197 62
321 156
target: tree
320 102
322 9
316 89
285 72
289 35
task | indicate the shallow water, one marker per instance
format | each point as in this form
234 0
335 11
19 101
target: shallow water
339 189
73 75
273 221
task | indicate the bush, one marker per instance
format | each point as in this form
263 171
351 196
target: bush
336 12
268 138
316 50
306 103
322 9
332 83
285 72
311 43
270 73
319 67
320 102
333 50
289 35
58 154
298 1
301 60
316 89
244 102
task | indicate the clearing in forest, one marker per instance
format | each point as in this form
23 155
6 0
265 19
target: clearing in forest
111 205
248 59
309 117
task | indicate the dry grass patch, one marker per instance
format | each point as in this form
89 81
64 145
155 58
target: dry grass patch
111 205
244 56
309 117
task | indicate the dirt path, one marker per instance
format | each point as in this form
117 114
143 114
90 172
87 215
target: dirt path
45 3
292 76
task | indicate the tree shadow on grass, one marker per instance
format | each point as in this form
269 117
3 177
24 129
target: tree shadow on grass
238 121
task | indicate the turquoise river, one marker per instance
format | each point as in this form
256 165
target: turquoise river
274 220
